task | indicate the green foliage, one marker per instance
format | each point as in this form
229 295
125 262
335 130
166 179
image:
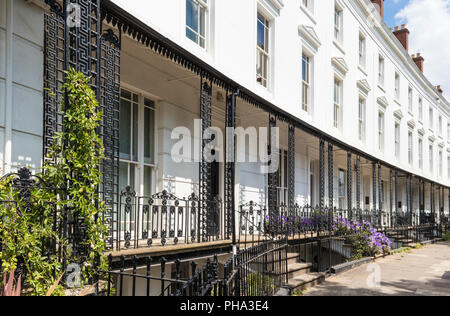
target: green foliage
361 247
26 227
75 159
447 236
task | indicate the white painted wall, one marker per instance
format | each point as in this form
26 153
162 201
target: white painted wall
232 45
21 84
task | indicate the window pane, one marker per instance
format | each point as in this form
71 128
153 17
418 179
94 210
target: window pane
261 32
147 181
192 15
149 136
135 132
125 129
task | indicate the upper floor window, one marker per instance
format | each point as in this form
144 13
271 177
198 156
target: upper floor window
410 148
337 103
440 125
262 51
362 51
338 28
448 167
410 99
361 119
397 86
309 4
420 153
196 20
420 109
397 140
431 162
431 118
381 70
381 131
441 164
306 82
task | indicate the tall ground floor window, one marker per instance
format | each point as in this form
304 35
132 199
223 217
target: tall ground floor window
137 142
342 189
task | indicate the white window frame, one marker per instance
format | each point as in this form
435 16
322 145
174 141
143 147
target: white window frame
431 157
266 53
431 118
338 23
420 142
397 86
362 104
410 99
421 109
397 136
410 147
441 163
362 50
337 102
381 129
307 86
440 125
140 165
308 5
381 70
205 6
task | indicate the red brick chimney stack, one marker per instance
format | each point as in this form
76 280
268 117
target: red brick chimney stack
379 4
418 59
403 36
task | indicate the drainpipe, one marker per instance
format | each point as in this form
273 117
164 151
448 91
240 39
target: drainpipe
8 88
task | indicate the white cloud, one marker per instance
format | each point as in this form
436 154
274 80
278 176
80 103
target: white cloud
429 24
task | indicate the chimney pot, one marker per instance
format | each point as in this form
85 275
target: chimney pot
419 60
403 36
379 5
439 89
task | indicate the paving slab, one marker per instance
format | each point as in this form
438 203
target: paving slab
422 272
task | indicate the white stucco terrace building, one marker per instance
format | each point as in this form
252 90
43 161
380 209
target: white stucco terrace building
332 65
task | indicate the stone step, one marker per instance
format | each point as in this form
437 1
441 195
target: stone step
292 258
298 269
305 281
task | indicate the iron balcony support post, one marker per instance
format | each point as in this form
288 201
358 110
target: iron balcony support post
322 174
358 183
330 176
272 177
374 185
291 170
205 167
391 198
380 195
230 167
396 196
349 182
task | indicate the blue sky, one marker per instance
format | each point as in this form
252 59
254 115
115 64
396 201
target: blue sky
391 8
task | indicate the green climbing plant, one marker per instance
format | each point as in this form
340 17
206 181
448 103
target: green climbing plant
74 162
27 231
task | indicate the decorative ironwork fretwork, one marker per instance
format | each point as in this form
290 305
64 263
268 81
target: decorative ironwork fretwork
374 185
322 174
291 170
83 41
272 177
391 197
205 166
54 60
349 181
230 167
109 131
358 183
396 195
380 189
330 176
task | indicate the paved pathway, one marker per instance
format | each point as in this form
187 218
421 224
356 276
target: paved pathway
423 272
